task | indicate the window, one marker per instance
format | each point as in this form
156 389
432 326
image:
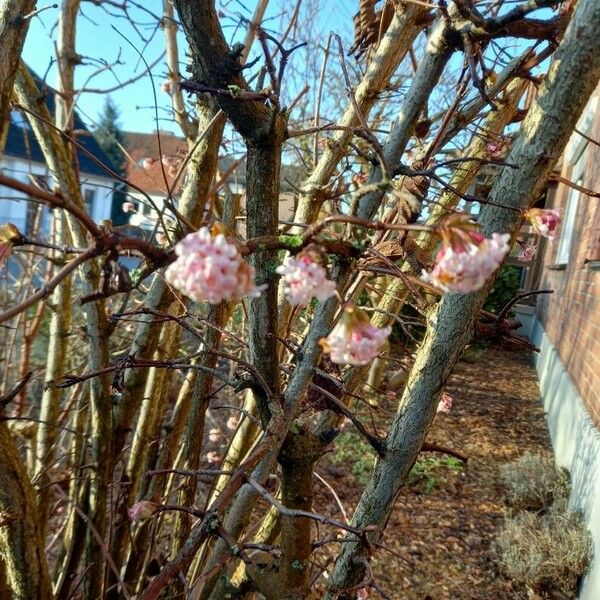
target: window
568 226
18 119
576 155
593 257
89 196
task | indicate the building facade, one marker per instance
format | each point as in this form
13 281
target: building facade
566 327
23 160
156 172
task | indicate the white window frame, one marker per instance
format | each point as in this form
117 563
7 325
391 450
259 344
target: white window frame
575 154
91 203
563 253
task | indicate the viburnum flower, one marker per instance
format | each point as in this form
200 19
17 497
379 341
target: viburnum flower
527 252
445 403
214 435
304 278
141 510
232 423
213 457
148 162
467 259
493 150
353 340
167 87
8 235
358 179
544 221
161 238
128 207
172 163
210 269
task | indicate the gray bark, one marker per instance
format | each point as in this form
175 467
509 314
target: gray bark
13 29
21 547
545 132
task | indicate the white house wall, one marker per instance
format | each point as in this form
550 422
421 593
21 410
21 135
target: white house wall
13 204
576 443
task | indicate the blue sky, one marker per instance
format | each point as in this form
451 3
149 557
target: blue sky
99 44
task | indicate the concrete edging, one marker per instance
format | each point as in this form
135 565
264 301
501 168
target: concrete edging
576 443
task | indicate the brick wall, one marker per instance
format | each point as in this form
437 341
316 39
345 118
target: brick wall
571 315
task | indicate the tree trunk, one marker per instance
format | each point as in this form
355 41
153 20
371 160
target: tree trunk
545 132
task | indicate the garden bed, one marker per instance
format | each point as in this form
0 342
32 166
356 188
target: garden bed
445 521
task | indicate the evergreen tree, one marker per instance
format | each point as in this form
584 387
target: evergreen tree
110 138
109 135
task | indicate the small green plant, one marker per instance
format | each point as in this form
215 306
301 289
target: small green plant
505 289
546 552
351 447
428 471
533 482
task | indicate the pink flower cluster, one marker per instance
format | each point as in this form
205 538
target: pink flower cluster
353 340
210 269
544 221
467 266
304 279
141 510
148 162
445 403
172 163
232 423
527 252
5 250
8 235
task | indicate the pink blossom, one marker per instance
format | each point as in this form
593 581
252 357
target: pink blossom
527 252
210 269
445 403
544 221
168 160
166 87
466 267
148 162
141 510
213 457
353 340
128 207
493 150
358 179
497 150
304 279
232 423
5 250
362 594
8 235
214 435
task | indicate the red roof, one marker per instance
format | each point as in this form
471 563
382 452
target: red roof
143 148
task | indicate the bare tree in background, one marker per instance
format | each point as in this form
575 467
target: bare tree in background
160 429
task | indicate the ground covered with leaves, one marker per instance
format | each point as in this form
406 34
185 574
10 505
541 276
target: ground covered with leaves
440 536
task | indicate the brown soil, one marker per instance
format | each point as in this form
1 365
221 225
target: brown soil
444 524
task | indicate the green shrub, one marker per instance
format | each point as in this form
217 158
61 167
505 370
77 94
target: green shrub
505 289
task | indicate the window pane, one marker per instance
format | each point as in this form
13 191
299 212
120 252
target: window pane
566 237
88 197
